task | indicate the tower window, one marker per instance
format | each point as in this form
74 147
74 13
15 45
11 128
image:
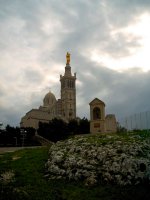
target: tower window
66 83
72 84
62 84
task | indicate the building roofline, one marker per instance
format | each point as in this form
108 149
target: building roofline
96 99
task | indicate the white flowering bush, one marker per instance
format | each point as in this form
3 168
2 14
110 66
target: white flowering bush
7 177
101 158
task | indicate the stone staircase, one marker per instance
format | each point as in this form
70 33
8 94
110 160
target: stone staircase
43 141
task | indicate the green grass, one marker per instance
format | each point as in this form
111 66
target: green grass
30 183
110 138
28 166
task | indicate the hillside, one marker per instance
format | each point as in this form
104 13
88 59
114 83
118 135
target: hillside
84 167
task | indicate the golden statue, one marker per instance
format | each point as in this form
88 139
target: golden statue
68 58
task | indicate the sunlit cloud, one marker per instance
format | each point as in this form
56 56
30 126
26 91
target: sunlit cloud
139 56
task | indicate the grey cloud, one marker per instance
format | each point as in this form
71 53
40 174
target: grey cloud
123 12
2 90
9 117
32 76
82 26
97 34
122 45
124 93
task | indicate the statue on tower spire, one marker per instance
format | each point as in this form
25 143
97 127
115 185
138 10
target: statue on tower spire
68 58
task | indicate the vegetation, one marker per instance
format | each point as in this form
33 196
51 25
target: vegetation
15 136
110 138
54 131
57 129
22 176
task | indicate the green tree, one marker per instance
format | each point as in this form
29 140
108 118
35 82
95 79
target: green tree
84 126
55 130
73 127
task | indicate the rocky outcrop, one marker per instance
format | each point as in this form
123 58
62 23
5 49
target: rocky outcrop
116 159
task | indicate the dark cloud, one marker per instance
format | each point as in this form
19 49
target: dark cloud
126 11
123 93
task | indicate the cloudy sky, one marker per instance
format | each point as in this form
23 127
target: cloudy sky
109 42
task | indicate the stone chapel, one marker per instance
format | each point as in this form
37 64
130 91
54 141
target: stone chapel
99 123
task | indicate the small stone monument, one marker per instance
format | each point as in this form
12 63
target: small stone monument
97 116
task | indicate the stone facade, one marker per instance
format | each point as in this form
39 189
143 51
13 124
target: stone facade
63 108
97 116
98 122
110 123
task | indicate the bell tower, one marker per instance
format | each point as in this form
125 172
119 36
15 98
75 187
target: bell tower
68 92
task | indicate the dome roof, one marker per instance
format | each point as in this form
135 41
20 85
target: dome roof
49 99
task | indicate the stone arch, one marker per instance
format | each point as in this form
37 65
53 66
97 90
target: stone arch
96 113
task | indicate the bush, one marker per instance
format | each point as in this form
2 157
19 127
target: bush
54 130
57 129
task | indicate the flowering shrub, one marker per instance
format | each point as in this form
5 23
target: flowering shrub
104 158
7 177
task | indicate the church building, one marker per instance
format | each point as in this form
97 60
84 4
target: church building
63 108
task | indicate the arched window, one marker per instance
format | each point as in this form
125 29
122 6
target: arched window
96 113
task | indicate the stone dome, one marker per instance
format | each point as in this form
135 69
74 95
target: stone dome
49 99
